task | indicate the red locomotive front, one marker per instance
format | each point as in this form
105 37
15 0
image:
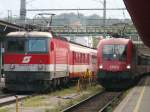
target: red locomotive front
30 60
115 61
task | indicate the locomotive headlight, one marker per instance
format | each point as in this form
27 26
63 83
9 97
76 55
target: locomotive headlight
101 66
128 67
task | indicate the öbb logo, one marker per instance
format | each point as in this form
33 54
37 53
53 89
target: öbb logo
26 59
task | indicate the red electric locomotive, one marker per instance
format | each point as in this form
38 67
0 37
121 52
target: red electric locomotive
116 62
37 61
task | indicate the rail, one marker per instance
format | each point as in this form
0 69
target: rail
96 103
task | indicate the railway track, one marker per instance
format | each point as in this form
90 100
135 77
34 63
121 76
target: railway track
101 101
96 103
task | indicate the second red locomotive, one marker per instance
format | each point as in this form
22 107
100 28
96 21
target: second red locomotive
116 62
120 63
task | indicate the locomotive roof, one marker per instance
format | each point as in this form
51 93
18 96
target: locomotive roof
30 34
115 41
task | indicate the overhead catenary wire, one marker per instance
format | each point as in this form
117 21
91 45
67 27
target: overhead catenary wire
71 9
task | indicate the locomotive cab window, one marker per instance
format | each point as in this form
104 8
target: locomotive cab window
115 52
37 45
15 45
108 52
121 51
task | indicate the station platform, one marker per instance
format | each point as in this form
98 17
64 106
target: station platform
138 99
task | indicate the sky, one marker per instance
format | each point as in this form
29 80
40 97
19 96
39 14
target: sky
14 6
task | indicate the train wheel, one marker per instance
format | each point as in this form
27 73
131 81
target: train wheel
5 90
50 86
63 82
59 83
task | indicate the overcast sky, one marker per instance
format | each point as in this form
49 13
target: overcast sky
14 5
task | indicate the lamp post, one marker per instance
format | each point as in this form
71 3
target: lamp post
104 13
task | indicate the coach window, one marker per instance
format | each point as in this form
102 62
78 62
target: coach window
80 59
77 57
83 58
16 45
37 45
74 57
86 58
94 59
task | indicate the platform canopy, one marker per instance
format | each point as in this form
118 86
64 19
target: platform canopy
139 12
6 27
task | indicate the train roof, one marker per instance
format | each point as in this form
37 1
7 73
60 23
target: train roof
44 34
82 49
30 34
115 41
